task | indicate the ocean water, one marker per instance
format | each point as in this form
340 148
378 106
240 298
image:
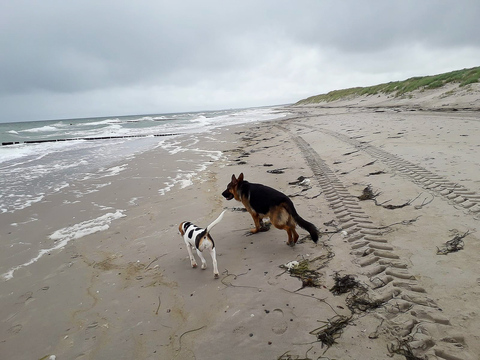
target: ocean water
30 170
47 159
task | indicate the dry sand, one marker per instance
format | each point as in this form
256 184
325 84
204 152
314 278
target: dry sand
129 292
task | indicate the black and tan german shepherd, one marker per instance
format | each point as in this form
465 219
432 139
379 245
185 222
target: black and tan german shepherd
263 201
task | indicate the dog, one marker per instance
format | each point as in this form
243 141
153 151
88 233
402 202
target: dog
200 239
262 201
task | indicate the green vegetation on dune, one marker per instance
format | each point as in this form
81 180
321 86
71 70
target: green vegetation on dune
399 88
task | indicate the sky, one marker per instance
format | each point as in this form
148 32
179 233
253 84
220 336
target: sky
87 58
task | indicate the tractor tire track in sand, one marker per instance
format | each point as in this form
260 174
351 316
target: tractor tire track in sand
455 193
408 314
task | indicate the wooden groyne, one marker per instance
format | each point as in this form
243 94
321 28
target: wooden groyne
85 138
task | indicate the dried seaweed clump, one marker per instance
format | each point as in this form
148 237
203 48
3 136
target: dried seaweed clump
453 245
360 301
332 329
301 270
368 194
343 284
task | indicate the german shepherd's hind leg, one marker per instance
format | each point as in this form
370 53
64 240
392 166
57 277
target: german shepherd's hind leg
291 225
292 235
282 220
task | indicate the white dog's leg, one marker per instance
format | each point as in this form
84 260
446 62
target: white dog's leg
190 255
204 262
213 254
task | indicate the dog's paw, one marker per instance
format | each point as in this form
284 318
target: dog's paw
215 276
194 265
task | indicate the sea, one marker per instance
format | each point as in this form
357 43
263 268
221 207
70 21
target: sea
40 159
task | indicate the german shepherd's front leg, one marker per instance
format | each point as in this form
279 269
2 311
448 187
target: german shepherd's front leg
259 226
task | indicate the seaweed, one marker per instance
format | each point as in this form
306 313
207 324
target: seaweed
343 284
359 301
307 270
332 330
368 194
307 276
453 245
277 171
370 163
380 172
299 180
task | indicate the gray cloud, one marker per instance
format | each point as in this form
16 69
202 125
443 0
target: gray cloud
87 58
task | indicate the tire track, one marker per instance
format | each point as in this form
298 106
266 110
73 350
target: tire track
408 313
455 193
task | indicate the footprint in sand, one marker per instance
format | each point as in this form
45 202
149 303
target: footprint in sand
15 329
272 280
25 298
240 330
279 326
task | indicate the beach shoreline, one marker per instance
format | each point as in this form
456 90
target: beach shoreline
127 291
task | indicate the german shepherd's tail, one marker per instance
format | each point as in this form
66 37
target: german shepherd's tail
304 224
215 222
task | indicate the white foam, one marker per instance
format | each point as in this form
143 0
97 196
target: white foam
101 122
61 186
133 201
115 170
36 151
22 202
63 236
184 178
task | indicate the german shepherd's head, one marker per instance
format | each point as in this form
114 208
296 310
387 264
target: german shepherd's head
232 188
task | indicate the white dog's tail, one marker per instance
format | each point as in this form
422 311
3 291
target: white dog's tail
217 220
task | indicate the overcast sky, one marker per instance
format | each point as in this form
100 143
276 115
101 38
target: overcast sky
86 58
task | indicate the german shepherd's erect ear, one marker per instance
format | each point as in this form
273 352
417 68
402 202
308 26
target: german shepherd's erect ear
231 190
235 180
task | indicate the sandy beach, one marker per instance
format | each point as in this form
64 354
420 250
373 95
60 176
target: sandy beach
129 292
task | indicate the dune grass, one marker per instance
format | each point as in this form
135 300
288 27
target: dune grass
399 88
